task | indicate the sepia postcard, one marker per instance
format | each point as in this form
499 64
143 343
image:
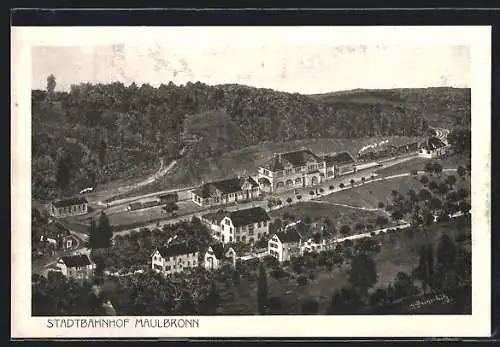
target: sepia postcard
250 182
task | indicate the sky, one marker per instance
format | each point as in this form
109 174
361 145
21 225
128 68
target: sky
301 68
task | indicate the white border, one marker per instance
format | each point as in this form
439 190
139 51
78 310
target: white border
475 325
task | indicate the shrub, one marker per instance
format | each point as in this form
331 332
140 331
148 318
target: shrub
381 204
311 192
321 190
331 187
302 280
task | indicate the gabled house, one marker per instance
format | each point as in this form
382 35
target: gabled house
75 266
218 255
213 221
285 245
226 191
175 258
338 164
247 225
433 148
68 207
296 169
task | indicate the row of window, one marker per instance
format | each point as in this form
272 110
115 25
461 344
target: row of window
298 169
179 259
71 209
244 238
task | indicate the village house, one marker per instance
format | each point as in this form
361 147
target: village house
213 222
68 207
226 191
433 148
217 255
247 225
338 164
285 245
75 266
69 242
175 258
317 246
290 170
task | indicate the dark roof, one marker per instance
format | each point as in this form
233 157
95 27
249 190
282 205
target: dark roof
291 235
339 158
218 249
294 158
176 249
434 143
70 202
248 216
216 217
76 260
168 195
226 186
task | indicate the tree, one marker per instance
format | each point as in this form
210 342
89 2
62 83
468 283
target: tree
274 305
299 197
170 207
403 285
289 200
464 207
363 179
309 307
341 185
461 171
437 168
424 179
451 180
262 290
93 241
429 168
51 84
103 148
63 174
381 204
352 182
104 230
424 195
442 189
462 193
425 269
435 204
433 185
460 140
363 272
446 252
345 229
381 221
345 301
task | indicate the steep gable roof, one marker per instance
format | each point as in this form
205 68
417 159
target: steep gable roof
176 249
226 186
248 216
70 202
341 158
218 250
76 260
291 235
216 217
294 158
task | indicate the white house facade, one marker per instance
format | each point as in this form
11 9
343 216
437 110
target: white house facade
174 259
68 207
247 225
226 191
285 245
75 266
217 255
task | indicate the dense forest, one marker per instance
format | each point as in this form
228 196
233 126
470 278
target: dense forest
98 133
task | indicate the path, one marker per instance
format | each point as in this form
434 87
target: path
348 206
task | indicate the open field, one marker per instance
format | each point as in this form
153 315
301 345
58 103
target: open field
370 194
415 164
399 253
337 214
246 161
